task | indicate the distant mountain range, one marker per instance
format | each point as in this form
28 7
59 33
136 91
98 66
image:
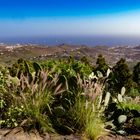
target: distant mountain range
9 53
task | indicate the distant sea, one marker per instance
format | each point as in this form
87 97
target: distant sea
76 40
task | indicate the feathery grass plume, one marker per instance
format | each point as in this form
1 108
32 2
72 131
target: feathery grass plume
87 119
86 114
91 89
36 97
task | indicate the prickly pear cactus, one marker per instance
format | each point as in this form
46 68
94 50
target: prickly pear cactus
29 74
108 72
120 99
107 98
37 69
123 91
100 75
122 119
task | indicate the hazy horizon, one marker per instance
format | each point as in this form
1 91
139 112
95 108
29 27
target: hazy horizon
28 18
102 40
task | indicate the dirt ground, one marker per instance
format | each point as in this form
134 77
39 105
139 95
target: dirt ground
19 134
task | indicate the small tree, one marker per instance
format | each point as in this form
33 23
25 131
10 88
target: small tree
136 74
102 66
85 60
121 76
136 78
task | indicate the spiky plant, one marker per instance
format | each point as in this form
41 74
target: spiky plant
86 111
35 98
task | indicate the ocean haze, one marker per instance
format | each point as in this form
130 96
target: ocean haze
120 24
89 22
103 40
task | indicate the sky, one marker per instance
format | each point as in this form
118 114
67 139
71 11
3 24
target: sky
25 18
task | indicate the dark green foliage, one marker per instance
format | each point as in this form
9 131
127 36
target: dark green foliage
134 90
21 67
120 77
102 66
28 73
56 96
136 74
85 60
66 103
13 70
66 130
36 67
59 111
136 122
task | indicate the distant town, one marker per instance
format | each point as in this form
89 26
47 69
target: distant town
10 53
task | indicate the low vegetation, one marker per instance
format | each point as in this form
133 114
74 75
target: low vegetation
68 96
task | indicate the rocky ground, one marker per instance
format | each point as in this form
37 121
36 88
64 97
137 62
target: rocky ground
19 134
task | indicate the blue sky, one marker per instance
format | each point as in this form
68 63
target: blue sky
69 17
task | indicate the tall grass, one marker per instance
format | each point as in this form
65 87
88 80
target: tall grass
36 98
94 127
87 119
86 114
37 105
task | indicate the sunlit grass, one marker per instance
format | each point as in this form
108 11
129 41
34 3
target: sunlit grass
87 119
94 127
